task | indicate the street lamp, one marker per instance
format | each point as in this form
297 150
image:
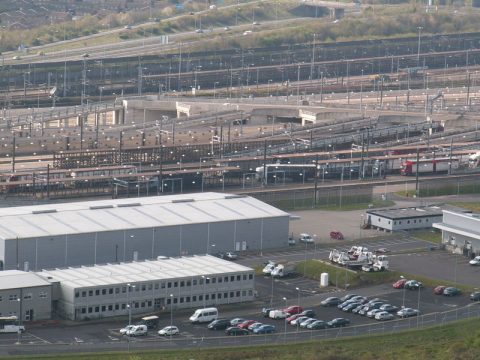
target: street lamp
285 338
19 319
403 300
214 88
205 279
419 36
129 305
298 295
171 314
268 87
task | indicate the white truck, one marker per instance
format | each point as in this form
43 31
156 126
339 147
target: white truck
353 258
267 270
380 263
473 160
283 270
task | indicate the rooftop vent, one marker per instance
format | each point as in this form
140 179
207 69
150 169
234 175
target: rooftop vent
182 200
101 207
46 211
128 205
234 196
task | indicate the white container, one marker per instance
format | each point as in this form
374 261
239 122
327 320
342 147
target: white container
323 279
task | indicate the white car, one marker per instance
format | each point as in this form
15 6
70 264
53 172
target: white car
373 313
124 330
383 315
475 261
231 255
267 270
407 312
299 320
306 238
137 330
169 330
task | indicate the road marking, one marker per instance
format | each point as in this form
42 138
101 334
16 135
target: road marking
39 338
78 340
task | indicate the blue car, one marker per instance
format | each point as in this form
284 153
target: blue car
264 329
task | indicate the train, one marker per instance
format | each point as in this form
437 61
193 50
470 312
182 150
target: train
429 166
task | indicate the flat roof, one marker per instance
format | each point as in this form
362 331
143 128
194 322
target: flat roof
15 279
407 212
143 271
132 213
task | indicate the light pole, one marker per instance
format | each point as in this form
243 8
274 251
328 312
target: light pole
171 314
129 305
403 300
205 279
419 37
268 87
271 297
285 330
418 304
298 295
19 318
214 88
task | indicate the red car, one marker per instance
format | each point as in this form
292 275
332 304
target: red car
292 310
293 317
337 235
246 324
439 290
399 284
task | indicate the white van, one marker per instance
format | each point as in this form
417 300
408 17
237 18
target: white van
306 238
137 330
204 315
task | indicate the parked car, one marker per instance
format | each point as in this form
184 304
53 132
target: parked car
373 312
347 297
233 330
451 291
264 329
407 312
375 300
389 308
293 317
383 316
292 310
124 330
382 251
299 320
350 306
306 238
399 284
360 299
291 241
438 290
475 261
338 322
475 296
307 322
137 330
318 324
236 321
331 301
246 324
219 324
169 331
308 312
336 235
231 255
254 326
357 309
364 310
413 285
278 314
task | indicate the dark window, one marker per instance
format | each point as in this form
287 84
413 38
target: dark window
194 298
142 304
169 301
244 293
157 286
200 297
84 310
137 305
220 279
232 278
110 307
175 300
225 279
104 291
149 303
181 300
175 284
110 291
117 306
77 294
214 280
250 276
213 296
104 308
182 283
194 282
238 293
207 280
84 293
239 277
150 286
163 285
225 295
189 283
219 295
187 299
144 287
124 306
244 277
169 285
90 310
207 297
117 290
232 294
97 308
97 292
124 289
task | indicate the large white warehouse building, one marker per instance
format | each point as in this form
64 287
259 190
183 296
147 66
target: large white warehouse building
109 231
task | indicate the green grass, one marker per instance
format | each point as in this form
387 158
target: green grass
347 205
472 206
459 340
427 235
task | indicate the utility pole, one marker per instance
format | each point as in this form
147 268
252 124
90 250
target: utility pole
313 58
265 164
416 174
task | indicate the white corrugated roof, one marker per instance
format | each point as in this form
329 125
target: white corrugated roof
148 270
14 279
132 213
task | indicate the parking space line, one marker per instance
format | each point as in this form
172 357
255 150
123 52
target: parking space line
39 338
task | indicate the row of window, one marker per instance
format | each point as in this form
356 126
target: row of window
163 285
27 296
181 300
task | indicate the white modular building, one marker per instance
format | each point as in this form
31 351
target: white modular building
111 231
460 232
150 286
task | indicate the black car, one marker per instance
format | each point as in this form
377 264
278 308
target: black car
234 330
319 324
451 291
219 324
338 322
331 301
348 297
310 313
475 296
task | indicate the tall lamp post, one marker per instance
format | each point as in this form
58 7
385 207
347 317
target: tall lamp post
403 297
19 318
171 314
129 305
298 295
285 330
419 37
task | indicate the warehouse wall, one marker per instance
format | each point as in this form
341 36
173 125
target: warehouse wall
115 246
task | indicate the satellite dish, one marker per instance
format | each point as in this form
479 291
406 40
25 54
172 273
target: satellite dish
53 91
